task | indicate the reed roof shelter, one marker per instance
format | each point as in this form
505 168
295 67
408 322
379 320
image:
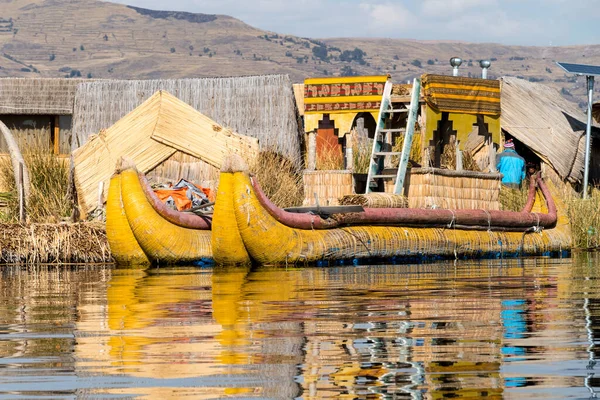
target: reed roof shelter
38 111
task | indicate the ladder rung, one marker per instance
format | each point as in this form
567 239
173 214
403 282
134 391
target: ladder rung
397 110
393 130
388 153
383 176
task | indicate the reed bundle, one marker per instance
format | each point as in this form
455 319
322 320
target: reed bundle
375 200
326 186
54 243
441 188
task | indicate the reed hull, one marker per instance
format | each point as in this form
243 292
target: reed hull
124 248
268 241
162 241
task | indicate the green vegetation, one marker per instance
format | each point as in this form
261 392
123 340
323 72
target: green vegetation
320 52
355 55
348 71
416 63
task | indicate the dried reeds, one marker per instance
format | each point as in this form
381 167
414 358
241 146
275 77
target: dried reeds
584 217
361 152
41 96
54 243
375 200
329 157
48 201
279 178
444 188
512 199
416 151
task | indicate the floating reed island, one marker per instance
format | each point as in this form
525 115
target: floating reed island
54 243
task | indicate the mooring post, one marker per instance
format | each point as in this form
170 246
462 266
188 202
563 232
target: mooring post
21 189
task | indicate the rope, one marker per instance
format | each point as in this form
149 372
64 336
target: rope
453 221
489 216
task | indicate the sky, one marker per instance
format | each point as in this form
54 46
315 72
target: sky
512 22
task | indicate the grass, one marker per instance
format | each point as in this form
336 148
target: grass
49 177
279 178
361 152
584 216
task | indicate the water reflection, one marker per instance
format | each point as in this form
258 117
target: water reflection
516 329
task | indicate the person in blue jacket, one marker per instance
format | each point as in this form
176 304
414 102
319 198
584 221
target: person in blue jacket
511 165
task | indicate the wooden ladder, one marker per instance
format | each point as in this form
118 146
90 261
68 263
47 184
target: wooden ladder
380 158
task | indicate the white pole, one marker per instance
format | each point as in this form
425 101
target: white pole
588 134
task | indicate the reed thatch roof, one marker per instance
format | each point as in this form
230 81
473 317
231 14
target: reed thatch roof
551 126
149 135
52 96
262 107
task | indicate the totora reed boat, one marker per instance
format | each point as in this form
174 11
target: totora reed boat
141 229
271 235
246 227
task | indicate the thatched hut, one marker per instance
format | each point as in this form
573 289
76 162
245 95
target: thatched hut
548 129
38 111
262 107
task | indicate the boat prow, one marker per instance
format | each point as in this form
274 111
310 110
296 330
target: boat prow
152 232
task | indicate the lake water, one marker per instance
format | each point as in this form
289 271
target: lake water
520 329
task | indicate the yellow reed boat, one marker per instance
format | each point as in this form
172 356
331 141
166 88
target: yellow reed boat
272 236
140 229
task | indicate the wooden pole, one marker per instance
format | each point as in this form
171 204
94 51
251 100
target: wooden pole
491 154
311 162
459 158
56 135
21 188
349 150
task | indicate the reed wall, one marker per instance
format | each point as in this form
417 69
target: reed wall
437 188
262 107
328 186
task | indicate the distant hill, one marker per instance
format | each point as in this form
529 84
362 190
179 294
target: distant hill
87 38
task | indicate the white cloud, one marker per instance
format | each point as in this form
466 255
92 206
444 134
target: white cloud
387 17
505 21
450 8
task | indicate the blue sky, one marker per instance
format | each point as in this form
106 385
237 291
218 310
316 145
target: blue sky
515 22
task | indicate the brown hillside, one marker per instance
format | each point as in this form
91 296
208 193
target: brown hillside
87 38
